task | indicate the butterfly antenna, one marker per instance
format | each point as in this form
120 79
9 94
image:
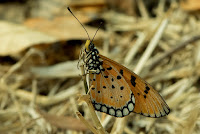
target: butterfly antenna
97 30
78 21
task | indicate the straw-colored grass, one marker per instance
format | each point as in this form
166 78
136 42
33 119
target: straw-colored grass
164 50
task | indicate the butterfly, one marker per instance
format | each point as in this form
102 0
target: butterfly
118 91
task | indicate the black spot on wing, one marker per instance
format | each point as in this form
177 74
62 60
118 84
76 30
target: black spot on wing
121 72
147 89
146 92
104 86
145 96
119 77
121 87
103 69
105 76
109 68
133 80
113 86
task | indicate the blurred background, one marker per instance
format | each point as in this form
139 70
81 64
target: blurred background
40 42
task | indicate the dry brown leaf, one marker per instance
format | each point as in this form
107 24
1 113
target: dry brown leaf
64 28
15 38
64 122
190 5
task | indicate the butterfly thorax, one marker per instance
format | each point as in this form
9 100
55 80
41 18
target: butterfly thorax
91 59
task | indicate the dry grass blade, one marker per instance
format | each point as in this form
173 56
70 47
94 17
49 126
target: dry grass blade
39 56
151 46
45 100
61 70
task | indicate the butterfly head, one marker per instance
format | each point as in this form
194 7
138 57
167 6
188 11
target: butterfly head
89 46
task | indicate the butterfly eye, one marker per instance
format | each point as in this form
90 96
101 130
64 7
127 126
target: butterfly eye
91 46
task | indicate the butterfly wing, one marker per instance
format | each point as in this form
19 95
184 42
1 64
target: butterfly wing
108 94
137 95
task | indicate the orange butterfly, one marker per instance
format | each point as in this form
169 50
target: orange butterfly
118 91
